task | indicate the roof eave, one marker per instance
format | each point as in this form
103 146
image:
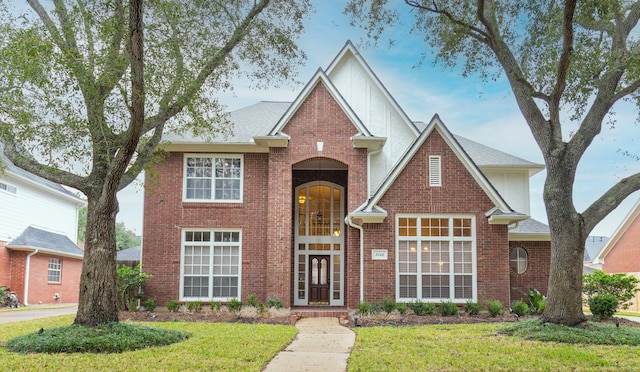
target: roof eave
529 237
234 147
369 143
368 217
506 219
28 248
272 141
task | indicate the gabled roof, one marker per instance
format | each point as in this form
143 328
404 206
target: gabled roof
593 245
633 214
501 214
530 230
37 181
487 157
129 254
33 238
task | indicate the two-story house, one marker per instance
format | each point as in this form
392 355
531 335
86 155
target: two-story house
39 259
339 197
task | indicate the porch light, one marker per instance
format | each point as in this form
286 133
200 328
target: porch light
302 199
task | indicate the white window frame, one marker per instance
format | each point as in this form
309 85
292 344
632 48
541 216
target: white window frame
435 170
213 158
54 269
519 259
211 244
8 188
419 239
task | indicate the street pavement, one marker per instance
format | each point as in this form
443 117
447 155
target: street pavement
36 312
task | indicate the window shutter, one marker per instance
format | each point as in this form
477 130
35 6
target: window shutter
435 171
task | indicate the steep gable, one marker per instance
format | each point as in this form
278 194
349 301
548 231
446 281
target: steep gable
621 254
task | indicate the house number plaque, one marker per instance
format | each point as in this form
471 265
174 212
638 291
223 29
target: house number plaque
379 254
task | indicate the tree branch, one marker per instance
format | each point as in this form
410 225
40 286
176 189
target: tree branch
609 201
565 56
472 31
115 63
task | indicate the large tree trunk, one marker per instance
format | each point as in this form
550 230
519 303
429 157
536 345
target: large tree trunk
564 298
98 285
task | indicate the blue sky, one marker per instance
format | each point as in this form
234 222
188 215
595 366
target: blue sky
483 112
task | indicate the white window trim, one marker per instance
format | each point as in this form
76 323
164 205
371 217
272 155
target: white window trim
210 295
435 170
451 239
58 270
8 188
213 190
519 259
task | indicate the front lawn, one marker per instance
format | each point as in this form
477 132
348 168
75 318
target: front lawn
210 347
475 347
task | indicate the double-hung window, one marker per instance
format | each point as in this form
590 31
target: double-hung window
435 258
213 178
55 270
211 264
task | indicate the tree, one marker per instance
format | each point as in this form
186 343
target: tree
567 62
87 89
125 238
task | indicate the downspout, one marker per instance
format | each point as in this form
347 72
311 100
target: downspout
350 222
26 277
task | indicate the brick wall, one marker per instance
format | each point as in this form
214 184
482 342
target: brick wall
537 274
42 292
5 265
625 255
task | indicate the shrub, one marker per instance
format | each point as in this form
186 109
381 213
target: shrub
520 308
495 307
194 306
130 281
366 307
536 301
150 304
252 300
448 308
622 286
603 305
272 302
234 304
402 308
388 305
215 305
423 308
173 305
472 308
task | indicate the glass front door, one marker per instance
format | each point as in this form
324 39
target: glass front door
319 268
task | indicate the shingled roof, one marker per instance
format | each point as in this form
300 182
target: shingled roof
33 238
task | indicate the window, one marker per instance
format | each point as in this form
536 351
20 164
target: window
8 188
55 270
436 258
519 260
213 178
435 171
211 264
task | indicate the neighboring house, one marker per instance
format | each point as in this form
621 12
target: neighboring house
593 245
38 227
337 198
129 257
621 254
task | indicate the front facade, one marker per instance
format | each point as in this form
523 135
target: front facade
338 198
39 260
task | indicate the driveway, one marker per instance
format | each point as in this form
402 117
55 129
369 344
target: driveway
35 312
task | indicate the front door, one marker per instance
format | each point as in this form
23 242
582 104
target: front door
319 280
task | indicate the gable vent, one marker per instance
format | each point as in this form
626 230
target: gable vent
435 171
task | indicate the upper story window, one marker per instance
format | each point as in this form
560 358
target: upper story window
435 170
55 270
213 178
8 188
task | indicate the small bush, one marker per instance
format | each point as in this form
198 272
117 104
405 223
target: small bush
388 305
603 305
448 308
536 301
621 286
423 308
272 302
252 300
366 307
234 304
173 305
215 305
495 307
194 306
520 308
472 308
402 308
150 304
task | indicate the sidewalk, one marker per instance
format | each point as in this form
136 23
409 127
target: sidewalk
321 344
35 312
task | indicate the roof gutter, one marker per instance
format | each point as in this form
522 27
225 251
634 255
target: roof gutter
349 221
26 277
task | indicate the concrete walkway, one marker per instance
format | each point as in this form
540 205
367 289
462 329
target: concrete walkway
35 312
322 344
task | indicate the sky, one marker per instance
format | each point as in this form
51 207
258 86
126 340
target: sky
483 112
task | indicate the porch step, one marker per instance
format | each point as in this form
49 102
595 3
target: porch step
320 312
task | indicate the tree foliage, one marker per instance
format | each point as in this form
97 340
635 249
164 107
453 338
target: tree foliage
622 286
568 63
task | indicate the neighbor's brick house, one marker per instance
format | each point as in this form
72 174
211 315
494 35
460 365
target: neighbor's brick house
336 198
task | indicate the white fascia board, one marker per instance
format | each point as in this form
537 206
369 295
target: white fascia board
507 219
531 169
369 143
242 147
51 252
529 237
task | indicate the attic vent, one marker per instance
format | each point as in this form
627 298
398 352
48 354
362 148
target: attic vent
435 171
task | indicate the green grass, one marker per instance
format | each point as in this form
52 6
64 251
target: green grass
473 347
211 346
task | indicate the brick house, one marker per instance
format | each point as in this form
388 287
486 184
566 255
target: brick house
621 254
337 198
38 227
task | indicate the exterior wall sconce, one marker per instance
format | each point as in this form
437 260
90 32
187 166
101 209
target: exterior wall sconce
302 199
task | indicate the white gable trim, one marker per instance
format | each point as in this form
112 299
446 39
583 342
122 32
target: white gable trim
320 77
619 233
349 48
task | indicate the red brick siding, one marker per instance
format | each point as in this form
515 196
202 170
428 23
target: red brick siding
5 265
18 270
537 274
624 257
41 291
